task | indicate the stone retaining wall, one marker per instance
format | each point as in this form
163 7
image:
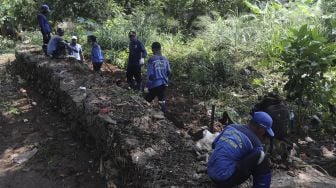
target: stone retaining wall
139 147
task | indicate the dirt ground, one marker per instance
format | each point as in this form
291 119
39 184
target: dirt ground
183 110
31 130
37 149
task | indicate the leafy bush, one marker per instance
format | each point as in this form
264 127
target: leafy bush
34 37
206 41
328 6
309 62
269 25
6 44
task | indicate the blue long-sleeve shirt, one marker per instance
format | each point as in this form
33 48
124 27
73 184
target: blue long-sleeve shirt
158 71
53 43
44 25
96 54
136 51
231 146
57 41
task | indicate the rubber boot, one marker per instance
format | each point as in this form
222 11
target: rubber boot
130 85
137 86
262 181
163 106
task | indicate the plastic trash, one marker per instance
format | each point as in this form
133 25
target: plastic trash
25 156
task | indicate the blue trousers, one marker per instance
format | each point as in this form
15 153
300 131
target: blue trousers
245 168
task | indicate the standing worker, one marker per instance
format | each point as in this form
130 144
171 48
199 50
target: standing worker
45 27
158 71
96 54
238 153
76 50
136 58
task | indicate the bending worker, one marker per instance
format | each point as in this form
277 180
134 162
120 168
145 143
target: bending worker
238 153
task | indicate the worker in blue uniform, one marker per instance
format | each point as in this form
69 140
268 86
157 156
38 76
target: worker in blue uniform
136 58
44 26
158 71
238 153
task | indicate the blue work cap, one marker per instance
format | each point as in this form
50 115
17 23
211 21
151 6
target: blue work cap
45 7
264 120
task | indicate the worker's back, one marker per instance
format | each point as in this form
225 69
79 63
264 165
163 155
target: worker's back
279 112
280 115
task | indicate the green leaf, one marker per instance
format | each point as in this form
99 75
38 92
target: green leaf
253 8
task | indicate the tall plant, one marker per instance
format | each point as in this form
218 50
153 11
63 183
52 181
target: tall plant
308 62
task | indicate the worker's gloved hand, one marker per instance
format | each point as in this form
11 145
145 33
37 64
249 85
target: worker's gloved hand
146 90
142 61
261 157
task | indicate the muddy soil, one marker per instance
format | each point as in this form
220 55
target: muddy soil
37 149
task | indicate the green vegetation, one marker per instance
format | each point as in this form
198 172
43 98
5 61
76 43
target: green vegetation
309 60
6 44
290 46
9 108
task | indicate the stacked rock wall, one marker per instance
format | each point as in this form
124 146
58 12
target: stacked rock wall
139 147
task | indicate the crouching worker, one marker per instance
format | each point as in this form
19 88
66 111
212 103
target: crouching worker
57 46
96 54
238 153
158 71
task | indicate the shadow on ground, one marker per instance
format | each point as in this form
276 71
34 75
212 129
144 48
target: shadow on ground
37 148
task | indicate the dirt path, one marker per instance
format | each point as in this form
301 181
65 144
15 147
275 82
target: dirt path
37 149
